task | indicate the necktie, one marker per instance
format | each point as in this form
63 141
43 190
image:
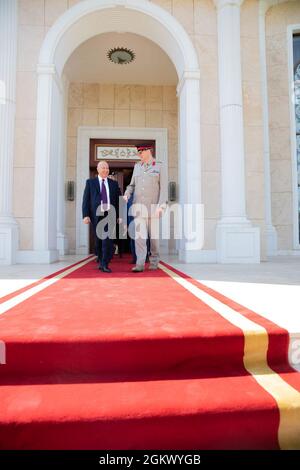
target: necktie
103 196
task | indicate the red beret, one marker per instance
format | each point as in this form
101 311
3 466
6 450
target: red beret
144 147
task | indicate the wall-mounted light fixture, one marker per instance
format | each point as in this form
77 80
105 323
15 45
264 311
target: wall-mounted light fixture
172 191
70 190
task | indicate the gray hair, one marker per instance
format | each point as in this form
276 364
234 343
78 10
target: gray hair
100 163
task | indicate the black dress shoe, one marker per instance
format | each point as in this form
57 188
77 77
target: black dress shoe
106 270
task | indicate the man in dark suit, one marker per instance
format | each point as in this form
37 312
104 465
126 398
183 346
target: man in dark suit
100 207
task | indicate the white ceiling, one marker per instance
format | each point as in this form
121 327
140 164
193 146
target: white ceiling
151 66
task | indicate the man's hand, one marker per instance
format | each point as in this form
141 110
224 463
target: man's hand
125 198
86 220
119 221
159 212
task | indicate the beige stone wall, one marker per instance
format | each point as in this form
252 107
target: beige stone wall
253 117
31 33
199 19
94 104
205 40
35 18
277 20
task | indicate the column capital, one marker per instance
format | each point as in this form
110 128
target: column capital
224 3
49 70
46 69
264 5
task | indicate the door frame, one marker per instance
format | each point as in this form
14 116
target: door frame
113 164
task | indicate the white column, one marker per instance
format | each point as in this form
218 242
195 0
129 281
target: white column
46 166
271 231
8 68
190 166
237 241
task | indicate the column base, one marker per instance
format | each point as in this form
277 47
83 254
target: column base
9 239
271 236
197 256
238 243
37 257
82 250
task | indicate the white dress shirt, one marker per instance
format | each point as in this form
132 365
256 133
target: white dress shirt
107 191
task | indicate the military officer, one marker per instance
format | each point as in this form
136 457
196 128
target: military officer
148 186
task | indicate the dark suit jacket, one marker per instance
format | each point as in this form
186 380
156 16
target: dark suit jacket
91 197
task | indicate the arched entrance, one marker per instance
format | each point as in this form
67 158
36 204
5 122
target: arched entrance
77 25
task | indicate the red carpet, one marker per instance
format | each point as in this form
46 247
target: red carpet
278 337
131 361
